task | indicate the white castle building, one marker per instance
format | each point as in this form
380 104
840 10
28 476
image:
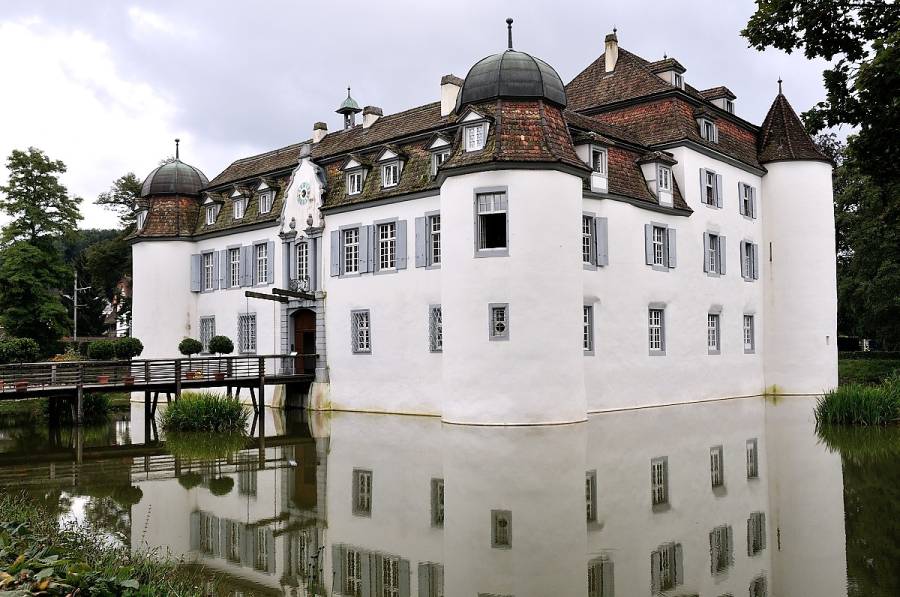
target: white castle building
521 251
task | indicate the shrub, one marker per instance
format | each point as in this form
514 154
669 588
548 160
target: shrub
69 356
189 347
221 486
221 345
102 350
128 348
866 371
856 404
19 350
205 411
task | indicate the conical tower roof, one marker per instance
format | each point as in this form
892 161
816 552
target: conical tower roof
782 136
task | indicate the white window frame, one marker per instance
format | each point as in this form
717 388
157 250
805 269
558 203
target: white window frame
678 80
239 208
433 230
302 260
474 136
716 467
435 328
659 482
656 330
714 333
748 201
207 330
390 174
437 159
350 245
588 240
265 202
141 219
361 331
708 130
387 245
262 257
749 333
713 254
489 202
355 182
729 106
209 271
247 333
710 197
353 572
664 178
599 160
234 267
660 242
588 329
498 321
211 213
362 492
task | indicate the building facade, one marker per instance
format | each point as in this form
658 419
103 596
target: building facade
522 251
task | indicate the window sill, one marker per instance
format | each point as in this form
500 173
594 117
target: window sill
433 266
492 252
713 352
664 507
588 266
504 338
660 268
713 274
749 279
749 351
711 205
362 352
588 353
352 275
657 353
392 270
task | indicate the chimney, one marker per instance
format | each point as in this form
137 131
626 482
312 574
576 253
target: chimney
320 129
450 86
370 115
611 52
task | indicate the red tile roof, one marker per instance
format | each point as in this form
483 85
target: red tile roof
783 137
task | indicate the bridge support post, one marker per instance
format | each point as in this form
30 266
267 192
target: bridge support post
177 379
262 413
148 414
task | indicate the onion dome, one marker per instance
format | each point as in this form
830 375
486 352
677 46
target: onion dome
514 75
349 105
174 178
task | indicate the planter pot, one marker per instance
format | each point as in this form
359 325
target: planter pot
128 380
103 379
21 386
218 377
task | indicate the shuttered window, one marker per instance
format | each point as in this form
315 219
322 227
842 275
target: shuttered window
434 239
353 572
387 246
747 203
209 271
756 533
431 579
659 246
234 267
666 567
711 188
601 581
588 250
351 250
749 261
262 263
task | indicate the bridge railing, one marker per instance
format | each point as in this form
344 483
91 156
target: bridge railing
143 372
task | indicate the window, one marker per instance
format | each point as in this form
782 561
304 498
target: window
238 208
209 533
353 573
664 176
587 336
141 220
600 577
234 267
721 554
434 239
752 459
351 250
262 553
491 223
211 215
678 80
209 271
361 333
387 246
590 495
247 332
748 200
437 502
390 577
708 130
302 261
729 106
749 261
758 587
265 202
587 239
262 263
435 329
499 321
713 334
362 492
474 137
716 470
659 245
657 331
709 188
207 331
659 481
438 158
248 474
501 529
390 174
749 336
714 251
233 536
666 567
756 533
431 579
354 183
599 160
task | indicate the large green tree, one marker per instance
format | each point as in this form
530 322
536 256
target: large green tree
122 197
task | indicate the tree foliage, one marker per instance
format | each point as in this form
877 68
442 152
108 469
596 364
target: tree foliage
122 197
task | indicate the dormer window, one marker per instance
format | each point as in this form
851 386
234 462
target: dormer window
709 130
438 158
664 176
729 106
354 182
390 174
240 206
141 219
474 135
265 202
211 212
678 80
599 160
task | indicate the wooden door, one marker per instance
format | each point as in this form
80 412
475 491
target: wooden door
305 340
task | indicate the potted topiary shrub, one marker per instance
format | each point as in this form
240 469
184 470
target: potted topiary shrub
189 347
126 349
220 345
102 350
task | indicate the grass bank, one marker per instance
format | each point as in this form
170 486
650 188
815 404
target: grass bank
205 411
116 402
865 371
39 557
858 404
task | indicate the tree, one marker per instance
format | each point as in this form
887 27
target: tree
122 198
40 206
29 304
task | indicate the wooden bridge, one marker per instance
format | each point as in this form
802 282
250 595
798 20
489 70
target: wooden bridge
72 379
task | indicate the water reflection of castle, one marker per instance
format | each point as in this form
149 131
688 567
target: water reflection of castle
711 499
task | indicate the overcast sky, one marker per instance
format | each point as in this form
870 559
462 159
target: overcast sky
106 86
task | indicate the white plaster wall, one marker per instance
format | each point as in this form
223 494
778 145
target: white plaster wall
801 329
163 307
534 376
400 374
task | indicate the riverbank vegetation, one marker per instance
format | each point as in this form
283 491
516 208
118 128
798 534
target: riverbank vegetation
859 368
857 404
205 411
38 556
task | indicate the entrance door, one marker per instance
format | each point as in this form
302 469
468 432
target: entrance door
305 340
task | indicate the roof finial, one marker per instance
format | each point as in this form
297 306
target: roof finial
509 23
779 85
615 30
665 56
177 141
348 90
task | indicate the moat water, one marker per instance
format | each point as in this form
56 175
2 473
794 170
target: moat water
750 500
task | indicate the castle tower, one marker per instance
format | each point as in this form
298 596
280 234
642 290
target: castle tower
799 257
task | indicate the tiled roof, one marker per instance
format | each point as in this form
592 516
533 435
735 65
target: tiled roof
264 163
665 64
717 92
587 123
169 216
626 179
630 79
225 219
783 137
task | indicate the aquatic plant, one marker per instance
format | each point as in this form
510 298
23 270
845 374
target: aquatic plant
862 445
856 404
205 411
200 445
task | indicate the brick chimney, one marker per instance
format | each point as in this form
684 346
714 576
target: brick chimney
611 52
370 115
450 87
320 129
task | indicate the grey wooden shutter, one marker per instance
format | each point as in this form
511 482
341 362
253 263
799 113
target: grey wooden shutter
195 530
337 567
366 573
335 252
421 242
224 537
215 538
270 258
670 247
729 542
270 551
364 249
719 198
355 494
378 572
246 266
648 243
712 551
655 558
401 244
706 252
601 228
223 269
722 255
313 248
424 580
755 261
702 185
195 272
404 578
750 535
215 280
762 529
753 202
370 244
254 266
679 564
608 582
745 248
245 542
740 195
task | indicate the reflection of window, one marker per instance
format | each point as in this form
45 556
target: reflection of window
437 502
601 582
233 544
362 492
758 587
720 549
247 474
752 459
262 551
431 579
209 533
501 529
352 573
590 495
659 481
756 533
716 470
390 577
666 567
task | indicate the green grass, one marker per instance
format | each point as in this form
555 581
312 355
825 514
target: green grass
200 445
857 404
205 411
40 557
865 371
862 445
115 402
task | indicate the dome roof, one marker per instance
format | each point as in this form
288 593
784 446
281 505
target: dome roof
174 178
512 74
